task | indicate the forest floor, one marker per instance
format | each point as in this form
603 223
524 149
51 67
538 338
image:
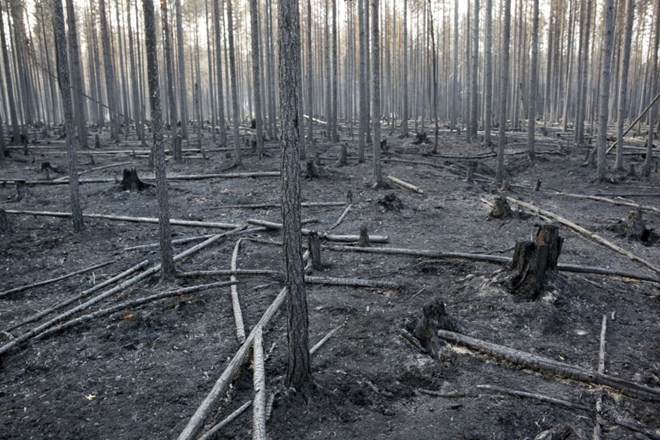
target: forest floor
141 373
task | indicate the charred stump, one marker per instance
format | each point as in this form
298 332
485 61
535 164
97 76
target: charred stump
131 182
312 170
363 240
425 327
4 221
314 246
501 208
636 227
391 202
343 156
178 152
421 138
533 262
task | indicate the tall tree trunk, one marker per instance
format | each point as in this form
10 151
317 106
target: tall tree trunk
299 375
377 178
454 93
533 81
310 76
504 90
76 76
488 75
472 129
364 85
110 84
217 14
234 85
585 23
13 114
406 116
67 103
654 89
568 96
335 78
166 252
182 70
135 84
606 58
256 75
169 69
623 82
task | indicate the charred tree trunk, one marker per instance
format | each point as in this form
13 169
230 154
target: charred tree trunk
533 262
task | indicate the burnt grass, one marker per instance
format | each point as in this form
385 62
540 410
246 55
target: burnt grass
141 373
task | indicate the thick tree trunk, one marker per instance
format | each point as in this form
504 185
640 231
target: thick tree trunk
67 103
648 163
234 85
474 96
623 83
377 177
533 81
217 14
76 76
606 58
364 86
454 92
299 374
488 75
166 252
181 65
504 90
169 69
256 76
110 84
13 114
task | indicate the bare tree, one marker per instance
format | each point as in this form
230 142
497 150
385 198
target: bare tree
310 76
110 85
623 82
67 104
377 176
299 375
406 116
533 81
217 14
364 80
13 115
472 127
181 65
256 76
77 76
234 85
454 91
606 58
504 90
166 252
169 69
654 88
335 79
488 75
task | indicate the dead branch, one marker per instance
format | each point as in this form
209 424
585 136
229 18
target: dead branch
325 339
353 282
81 295
534 396
341 217
329 237
123 218
127 305
585 232
611 201
53 280
259 384
639 118
211 433
405 185
541 363
196 422
235 303
123 286
177 241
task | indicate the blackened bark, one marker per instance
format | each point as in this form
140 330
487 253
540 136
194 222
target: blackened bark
166 252
299 374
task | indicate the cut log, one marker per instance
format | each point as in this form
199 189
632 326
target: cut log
585 232
235 302
238 272
405 185
535 396
211 433
324 236
352 282
278 205
613 201
196 422
259 384
544 364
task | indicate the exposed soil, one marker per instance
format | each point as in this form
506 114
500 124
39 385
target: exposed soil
141 373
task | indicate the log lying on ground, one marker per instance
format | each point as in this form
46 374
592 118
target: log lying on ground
228 272
341 217
235 302
323 236
486 259
112 165
535 396
585 232
124 218
196 422
611 201
53 280
353 282
123 286
405 185
127 305
81 295
259 384
279 205
545 364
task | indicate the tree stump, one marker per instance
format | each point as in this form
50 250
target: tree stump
363 241
97 141
343 156
421 138
178 152
312 170
501 208
4 221
131 182
636 227
21 190
314 247
533 262
425 328
391 202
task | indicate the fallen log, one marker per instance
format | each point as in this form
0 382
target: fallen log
235 303
150 178
259 384
535 396
112 165
325 339
341 217
124 218
126 305
585 232
211 433
598 425
405 185
322 235
229 272
544 364
611 201
196 422
279 205
81 295
352 282
53 280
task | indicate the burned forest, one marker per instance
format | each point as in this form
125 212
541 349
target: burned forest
327 219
